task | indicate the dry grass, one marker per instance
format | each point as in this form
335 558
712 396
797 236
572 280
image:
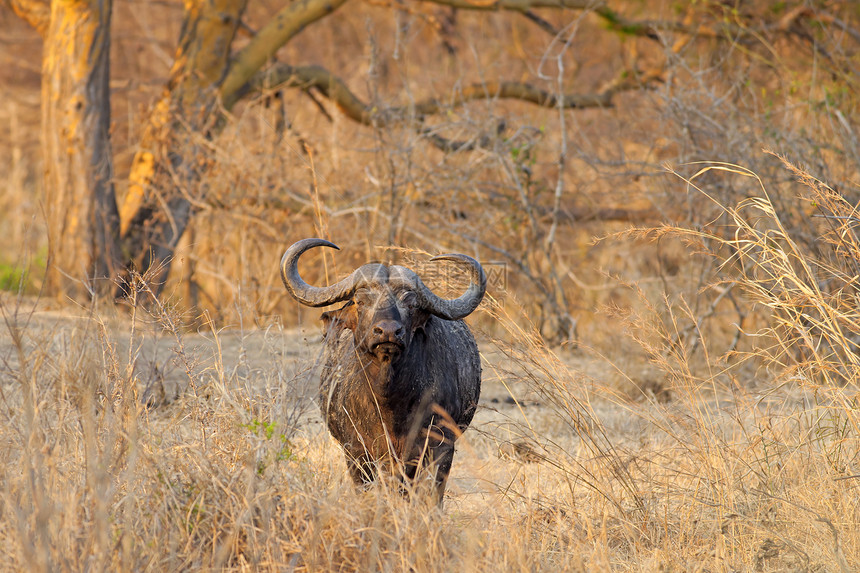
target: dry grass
229 468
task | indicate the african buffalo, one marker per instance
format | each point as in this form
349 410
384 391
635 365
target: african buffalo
401 372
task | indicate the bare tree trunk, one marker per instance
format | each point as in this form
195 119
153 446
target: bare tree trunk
82 216
164 182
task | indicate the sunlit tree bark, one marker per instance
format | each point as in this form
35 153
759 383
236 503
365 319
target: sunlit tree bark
82 217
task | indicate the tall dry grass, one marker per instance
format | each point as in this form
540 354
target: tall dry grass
131 444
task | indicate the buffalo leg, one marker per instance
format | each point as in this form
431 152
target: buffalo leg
437 460
442 458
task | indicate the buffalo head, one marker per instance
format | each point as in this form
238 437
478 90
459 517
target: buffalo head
387 304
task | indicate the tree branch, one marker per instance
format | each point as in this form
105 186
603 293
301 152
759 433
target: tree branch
334 88
286 24
336 91
329 85
830 19
519 5
543 24
719 29
297 15
614 21
37 13
520 91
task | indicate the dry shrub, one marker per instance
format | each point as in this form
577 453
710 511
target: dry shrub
751 464
772 430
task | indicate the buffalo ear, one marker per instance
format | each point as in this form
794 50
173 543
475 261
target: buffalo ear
419 321
334 321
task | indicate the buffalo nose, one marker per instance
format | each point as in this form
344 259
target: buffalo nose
388 329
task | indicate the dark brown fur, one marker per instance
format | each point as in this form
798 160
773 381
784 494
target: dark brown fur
403 412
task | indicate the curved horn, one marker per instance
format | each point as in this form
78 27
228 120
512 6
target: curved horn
302 291
464 305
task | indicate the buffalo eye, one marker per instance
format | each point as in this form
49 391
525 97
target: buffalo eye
361 297
408 298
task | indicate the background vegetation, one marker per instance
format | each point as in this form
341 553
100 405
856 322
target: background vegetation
670 358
